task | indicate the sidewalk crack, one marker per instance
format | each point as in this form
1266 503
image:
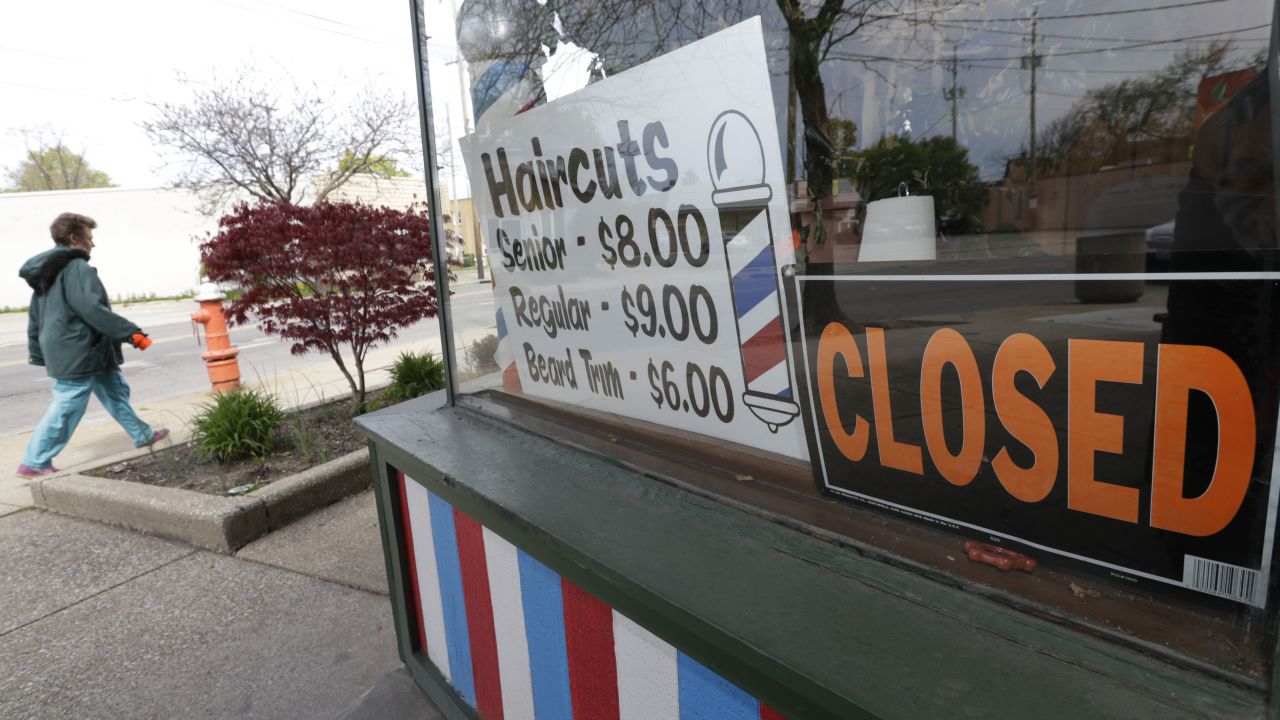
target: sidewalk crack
313 576
100 592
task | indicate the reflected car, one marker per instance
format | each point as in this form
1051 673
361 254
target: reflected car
1159 244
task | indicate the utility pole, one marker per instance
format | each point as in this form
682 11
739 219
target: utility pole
1032 62
477 241
462 79
954 93
453 175
791 126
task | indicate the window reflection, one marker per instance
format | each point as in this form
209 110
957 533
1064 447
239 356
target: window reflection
1065 131
1006 138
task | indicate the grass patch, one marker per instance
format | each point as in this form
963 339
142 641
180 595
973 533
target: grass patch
151 297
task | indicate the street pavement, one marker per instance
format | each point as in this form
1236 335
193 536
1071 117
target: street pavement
172 367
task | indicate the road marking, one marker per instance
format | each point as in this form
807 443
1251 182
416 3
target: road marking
157 341
190 336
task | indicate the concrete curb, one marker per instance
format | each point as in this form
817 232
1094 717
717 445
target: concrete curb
291 498
214 522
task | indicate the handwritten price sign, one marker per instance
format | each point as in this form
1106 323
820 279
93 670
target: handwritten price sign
638 247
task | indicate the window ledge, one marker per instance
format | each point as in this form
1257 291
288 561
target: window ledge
813 628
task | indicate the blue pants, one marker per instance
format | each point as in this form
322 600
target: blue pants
70 398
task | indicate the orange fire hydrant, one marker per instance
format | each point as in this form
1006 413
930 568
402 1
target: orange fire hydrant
224 369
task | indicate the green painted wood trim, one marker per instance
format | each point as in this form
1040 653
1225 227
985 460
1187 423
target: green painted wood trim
392 532
813 628
446 699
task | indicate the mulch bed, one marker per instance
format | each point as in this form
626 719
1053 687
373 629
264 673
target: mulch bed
308 438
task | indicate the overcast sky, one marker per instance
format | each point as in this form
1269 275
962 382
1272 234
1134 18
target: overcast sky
88 69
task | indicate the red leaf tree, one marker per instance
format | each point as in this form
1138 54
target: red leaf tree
332 277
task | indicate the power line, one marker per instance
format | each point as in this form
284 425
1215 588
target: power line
1148 43
1001 58
1072 16
306 24
980 66
967 113
67 91
325 19
1067 70
1192 45
1092 38
33 53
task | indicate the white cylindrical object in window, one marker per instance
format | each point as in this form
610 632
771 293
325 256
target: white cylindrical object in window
900 228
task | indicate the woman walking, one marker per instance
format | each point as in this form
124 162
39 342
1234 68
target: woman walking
74 335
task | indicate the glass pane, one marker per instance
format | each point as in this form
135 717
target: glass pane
1002 273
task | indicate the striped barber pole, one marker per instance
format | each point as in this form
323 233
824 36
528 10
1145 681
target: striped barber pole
505 356
757 308
502 46
519 642
510 86
735 157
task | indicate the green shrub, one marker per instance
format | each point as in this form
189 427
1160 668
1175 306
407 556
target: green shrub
480 354
238 424
413 375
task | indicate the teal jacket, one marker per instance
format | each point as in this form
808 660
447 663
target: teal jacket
71 330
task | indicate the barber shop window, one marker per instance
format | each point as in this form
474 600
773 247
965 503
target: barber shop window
999 278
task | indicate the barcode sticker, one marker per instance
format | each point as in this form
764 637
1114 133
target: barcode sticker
1221 579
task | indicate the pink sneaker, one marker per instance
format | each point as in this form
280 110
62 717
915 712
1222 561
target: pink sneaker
156 437
27 473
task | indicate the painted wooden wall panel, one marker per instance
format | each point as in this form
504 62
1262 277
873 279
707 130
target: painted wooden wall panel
430 613
519 642
508 622
648 677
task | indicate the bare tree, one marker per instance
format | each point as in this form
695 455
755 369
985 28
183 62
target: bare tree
814 30
275 141
1109 124
811 39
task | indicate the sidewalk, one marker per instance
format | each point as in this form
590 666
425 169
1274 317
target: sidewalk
105 623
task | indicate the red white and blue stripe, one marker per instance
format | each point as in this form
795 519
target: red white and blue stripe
757 308
519 642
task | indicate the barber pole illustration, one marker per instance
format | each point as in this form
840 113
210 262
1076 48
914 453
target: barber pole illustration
504 53
505 357
735 157
519 642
